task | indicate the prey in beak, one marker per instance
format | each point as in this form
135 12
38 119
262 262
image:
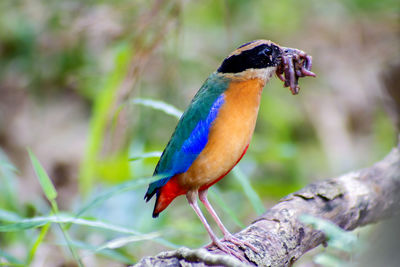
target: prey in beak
294 64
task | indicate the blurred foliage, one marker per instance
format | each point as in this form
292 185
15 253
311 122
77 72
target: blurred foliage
83 82
336 237
339 243
103 104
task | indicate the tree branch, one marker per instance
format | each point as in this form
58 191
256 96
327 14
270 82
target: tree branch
351 200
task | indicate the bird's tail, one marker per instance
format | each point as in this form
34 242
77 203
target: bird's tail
166 189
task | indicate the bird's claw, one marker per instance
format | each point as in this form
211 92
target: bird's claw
240 243
229 249
231 244
294 65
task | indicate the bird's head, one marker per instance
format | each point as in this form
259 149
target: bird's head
262 58
258 58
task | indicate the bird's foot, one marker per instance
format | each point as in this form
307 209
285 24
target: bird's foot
240 243
230 249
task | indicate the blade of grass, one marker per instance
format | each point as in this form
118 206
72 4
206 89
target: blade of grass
37 243
7 181
122 241
249 191
214 194
63 219
5 164
12 261
51 194
101 109
118 189
159 105
8 216
22 225
112 254
154 154
71 248
12 264
44 179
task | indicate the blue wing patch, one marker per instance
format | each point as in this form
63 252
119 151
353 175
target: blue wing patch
191 147
197 140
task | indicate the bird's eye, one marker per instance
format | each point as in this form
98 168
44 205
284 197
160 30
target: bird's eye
266 51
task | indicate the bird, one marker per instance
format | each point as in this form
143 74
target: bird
214 132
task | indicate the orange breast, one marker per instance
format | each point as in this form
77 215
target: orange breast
229 135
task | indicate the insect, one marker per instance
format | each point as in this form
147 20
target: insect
214 132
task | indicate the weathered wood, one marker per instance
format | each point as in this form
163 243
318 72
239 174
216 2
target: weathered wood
351 200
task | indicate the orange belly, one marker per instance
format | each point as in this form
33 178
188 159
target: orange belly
229 136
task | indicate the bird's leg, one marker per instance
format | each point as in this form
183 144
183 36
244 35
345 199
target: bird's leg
192 199
227 235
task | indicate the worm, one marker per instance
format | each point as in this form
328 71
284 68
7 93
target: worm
295 64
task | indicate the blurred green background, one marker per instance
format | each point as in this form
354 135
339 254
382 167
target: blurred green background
74 79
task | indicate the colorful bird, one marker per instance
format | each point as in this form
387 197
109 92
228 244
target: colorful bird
214 132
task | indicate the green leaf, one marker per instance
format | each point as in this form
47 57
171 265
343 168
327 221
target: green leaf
159 105
44 180
251 194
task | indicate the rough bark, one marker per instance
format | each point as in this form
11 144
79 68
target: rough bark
350 201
